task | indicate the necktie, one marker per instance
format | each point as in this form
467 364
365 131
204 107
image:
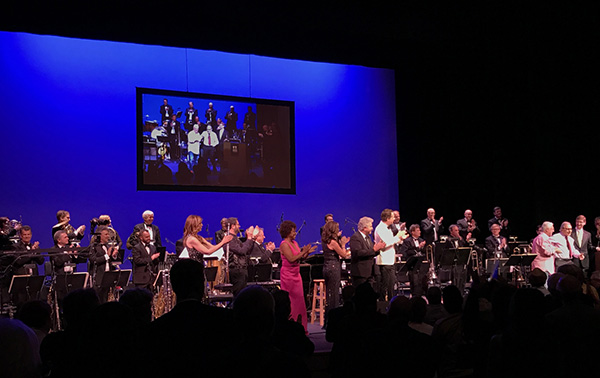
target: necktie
368 241
209 139
569 247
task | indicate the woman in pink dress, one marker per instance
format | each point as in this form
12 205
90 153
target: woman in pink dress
291 281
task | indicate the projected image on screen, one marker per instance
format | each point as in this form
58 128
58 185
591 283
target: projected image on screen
192 141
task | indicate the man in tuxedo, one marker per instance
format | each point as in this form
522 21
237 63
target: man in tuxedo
166 110
211 115
456 241
148 225
260 251
496 244
363 251
231 118
250 118
238 256
145 261
190 116
198 334
431 228
222 134
101 256
583 244
501 221
412 250
467 227
176 136
60 260
25 247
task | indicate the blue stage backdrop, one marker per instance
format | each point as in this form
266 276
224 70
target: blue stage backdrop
69 135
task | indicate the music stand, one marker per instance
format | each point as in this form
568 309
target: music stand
66 283
521 260
210 273
260 273
115 278
276 256
163 252
447 259
462 255
119 259
26 286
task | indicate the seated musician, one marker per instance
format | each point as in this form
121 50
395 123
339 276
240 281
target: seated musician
26 248
7 233
101 256
496 244
60 261
64 217
145 261
260 251
412 250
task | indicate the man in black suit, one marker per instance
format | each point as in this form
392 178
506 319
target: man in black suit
412 250
145 261
60 260
501 221
238 256
583 244
211 115
176 136
496 244
362 252
148 225
456 241
467 227
261 252
25 246
166 110
190 116
231 118
101 256
432 228
198 334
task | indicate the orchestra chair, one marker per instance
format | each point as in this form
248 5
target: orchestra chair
318 301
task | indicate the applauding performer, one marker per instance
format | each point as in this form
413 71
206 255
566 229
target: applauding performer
291 281
432 228
238 255
412 250
195 244
101 256
363 251
63 217
145 261
333 250
387 256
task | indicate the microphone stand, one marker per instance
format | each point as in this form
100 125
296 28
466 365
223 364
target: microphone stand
227 255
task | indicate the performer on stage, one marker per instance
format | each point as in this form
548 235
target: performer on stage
222 232
467 226
334 248
387 255
238 256
25 246
261 252
148 225
412 250
432 228
190 115
195 244
101 256
566 251
456 241
583 244
64 217
545 250
496 244
114 237
59 260
211 115
231 118
363 252
145 261
7 233
501 221
166 110
291 281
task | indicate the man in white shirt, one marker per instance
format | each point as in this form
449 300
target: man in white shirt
387 256
194 137
565 245
209 140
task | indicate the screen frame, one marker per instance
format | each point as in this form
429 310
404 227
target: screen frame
196 96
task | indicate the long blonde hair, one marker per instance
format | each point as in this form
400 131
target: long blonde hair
193 225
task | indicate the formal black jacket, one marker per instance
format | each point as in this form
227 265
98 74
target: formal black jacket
98 260
239 252
491 243
362 254
427 227
134 239
20 261
463 229
504 231
144 268
585 248
408 247
60 259
261 252
163 111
